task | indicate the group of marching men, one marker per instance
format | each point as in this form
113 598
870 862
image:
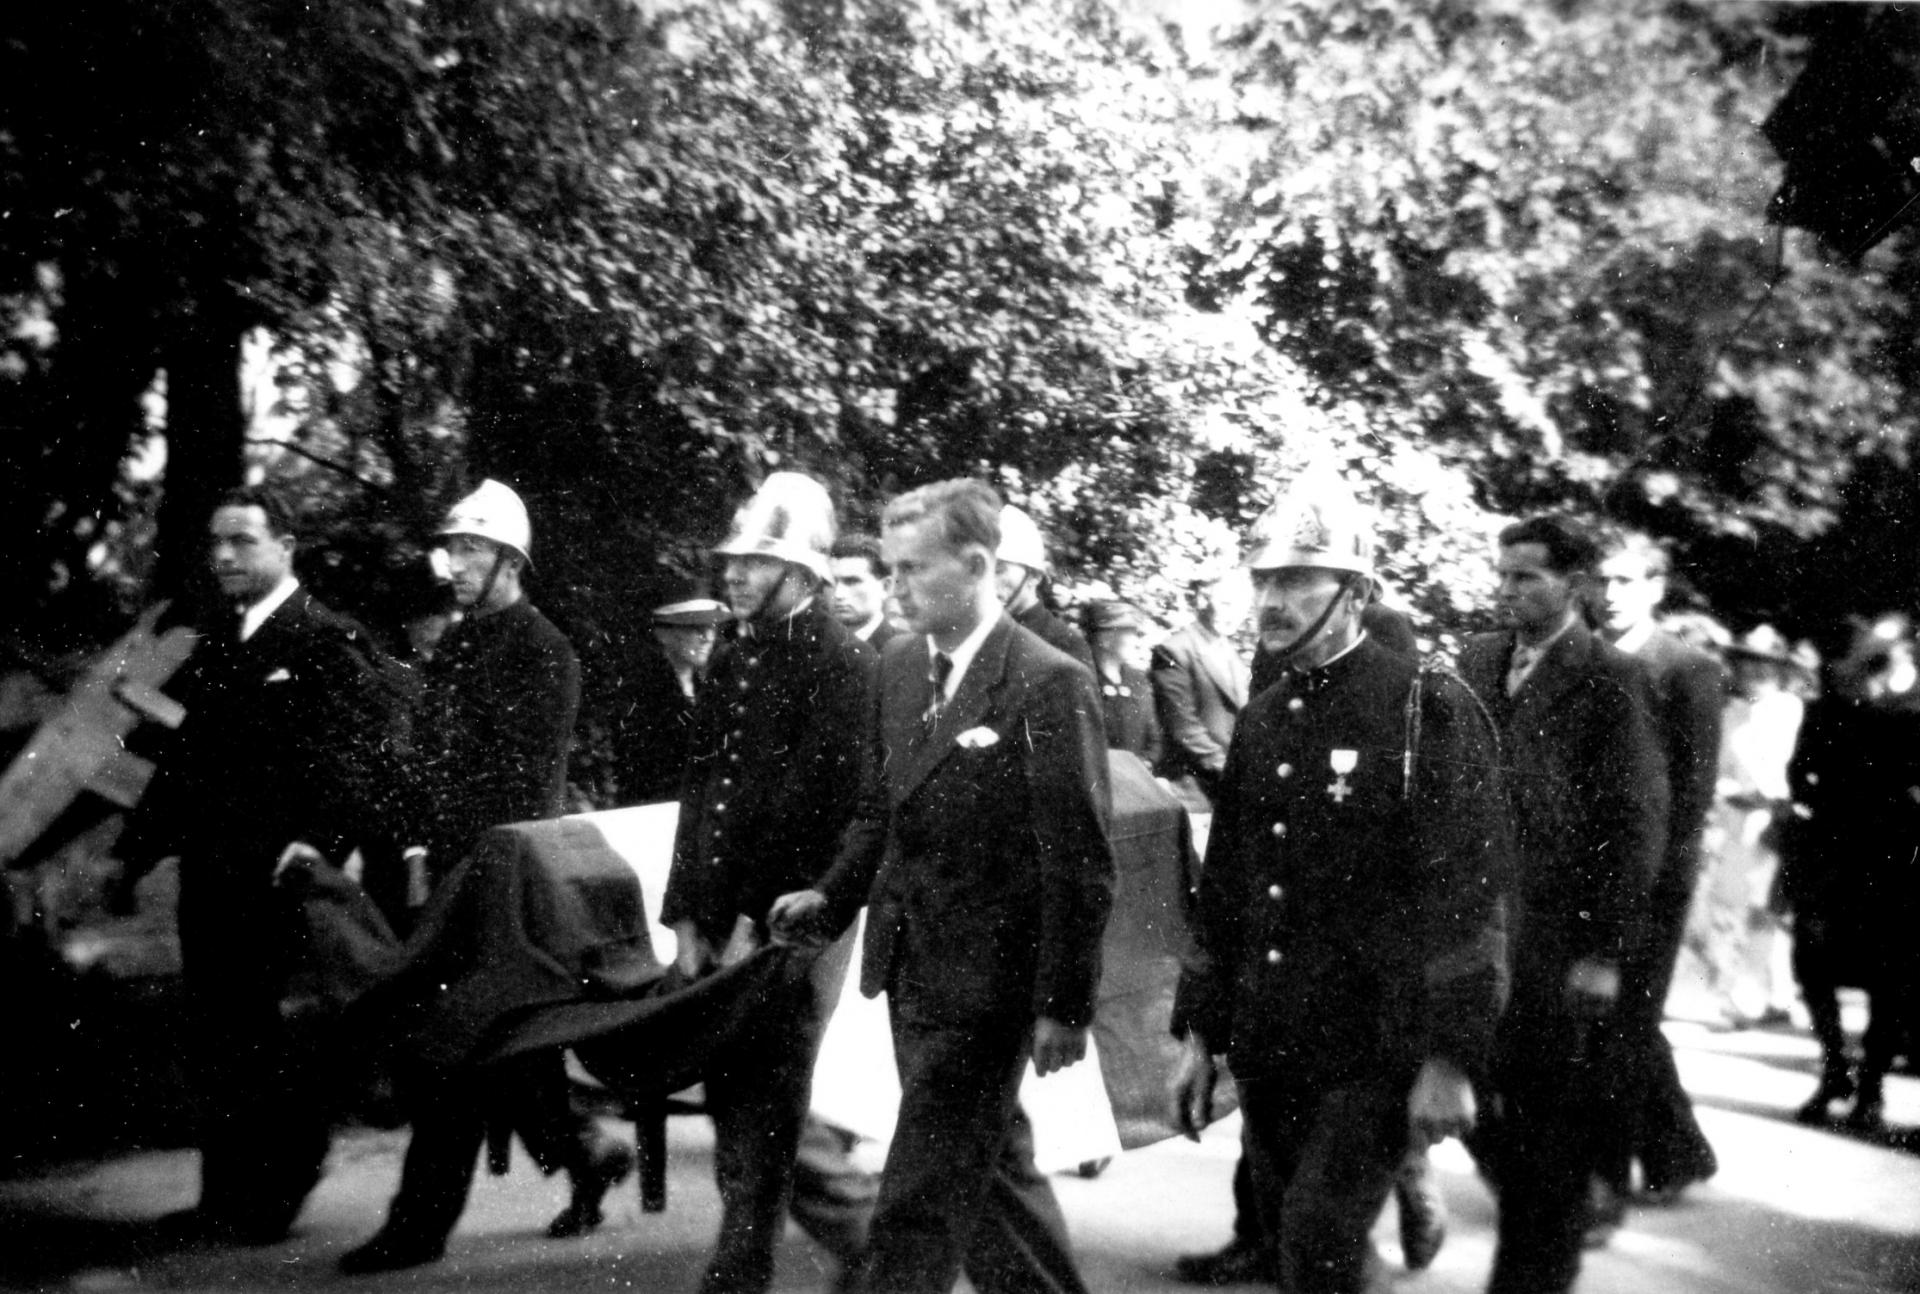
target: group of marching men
1433 902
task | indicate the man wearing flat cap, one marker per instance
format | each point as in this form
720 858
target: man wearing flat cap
658 687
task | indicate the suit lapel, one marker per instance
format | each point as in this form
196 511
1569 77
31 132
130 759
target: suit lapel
1556 672
969 705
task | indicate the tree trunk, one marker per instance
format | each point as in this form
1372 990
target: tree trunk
206 437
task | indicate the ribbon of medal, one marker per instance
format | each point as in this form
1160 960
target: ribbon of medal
1342 762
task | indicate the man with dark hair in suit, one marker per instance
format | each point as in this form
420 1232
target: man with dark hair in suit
1200 683
490 741
1688 692
284 745
860 589
1589 793
772 779
1349 953
981 850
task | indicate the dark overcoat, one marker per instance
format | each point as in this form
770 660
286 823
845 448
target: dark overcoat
1349 920
1589 791
1688 693
773 773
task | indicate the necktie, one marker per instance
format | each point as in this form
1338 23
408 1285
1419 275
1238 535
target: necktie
1521 666
937 678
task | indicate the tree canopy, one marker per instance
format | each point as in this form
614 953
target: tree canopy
1491 258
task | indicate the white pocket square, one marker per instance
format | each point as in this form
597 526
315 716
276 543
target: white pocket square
977 739
279 676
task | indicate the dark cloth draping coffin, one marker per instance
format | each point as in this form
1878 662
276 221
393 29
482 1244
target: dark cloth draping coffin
1145 941
537 939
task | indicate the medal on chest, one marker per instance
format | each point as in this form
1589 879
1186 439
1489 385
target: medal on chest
1342 762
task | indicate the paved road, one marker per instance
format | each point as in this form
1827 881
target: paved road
1793 1211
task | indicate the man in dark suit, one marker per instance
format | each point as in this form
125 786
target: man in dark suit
1688 691
860 589
490 740
1589 795
1200 685
1021 569
772 779
285 744
981 849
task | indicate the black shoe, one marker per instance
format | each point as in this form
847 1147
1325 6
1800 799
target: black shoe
1239 1263
1606 1210
1869 1107
1835 1085
611 1163
1423 1214
1665 1184
392 1249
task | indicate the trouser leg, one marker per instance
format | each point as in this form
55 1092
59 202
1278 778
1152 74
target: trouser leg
1552 1116
833 1197
1323 1165
959 1184
1020 1245
437 1173
1246 1206
538 1102
757 1094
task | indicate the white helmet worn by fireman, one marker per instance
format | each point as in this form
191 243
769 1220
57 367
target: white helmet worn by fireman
493 512
1020 541
1317 522
789 517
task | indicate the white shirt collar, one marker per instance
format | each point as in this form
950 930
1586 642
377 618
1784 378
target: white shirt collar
866 631
962 656
256 615
1635 638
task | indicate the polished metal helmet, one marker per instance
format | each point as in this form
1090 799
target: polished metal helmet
1316 522
789 517
493 512
1020 541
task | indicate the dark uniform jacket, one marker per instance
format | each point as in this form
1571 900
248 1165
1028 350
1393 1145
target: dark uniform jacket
1128 712
774 770
1200 686
1688 691
1056 633
982 845
652 729
1589 793
1349 924
288 736
493 728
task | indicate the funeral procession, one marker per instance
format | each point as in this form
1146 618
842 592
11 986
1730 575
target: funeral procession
960 646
